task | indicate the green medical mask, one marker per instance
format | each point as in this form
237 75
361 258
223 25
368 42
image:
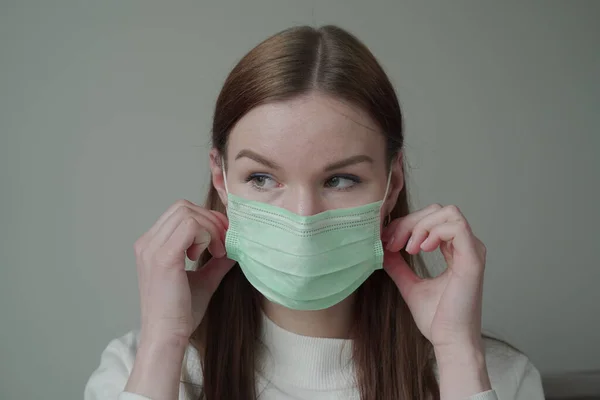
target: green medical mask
304 262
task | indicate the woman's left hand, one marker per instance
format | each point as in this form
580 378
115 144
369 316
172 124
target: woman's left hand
447 308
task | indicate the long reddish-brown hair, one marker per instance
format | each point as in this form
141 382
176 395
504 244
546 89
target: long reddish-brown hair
393 360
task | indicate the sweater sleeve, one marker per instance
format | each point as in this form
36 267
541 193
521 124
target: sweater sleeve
488 395
530 384
108 381
131 396
512 374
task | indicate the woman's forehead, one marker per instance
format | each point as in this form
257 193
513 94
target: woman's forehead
311 129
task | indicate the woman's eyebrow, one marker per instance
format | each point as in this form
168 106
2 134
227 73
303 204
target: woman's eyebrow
333 166
348 161
257 157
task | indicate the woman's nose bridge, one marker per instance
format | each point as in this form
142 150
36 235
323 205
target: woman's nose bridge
303 200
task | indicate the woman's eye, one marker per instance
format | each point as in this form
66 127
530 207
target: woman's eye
261 181
342 182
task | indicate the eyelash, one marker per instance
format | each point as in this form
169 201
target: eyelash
253 177
352 178
252 180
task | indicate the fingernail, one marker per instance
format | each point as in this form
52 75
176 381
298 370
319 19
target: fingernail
389 243
222 250
409 243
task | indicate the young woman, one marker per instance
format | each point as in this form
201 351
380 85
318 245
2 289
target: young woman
310 284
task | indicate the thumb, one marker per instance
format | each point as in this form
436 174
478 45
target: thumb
207 278
401 273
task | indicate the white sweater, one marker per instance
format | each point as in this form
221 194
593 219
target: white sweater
302 367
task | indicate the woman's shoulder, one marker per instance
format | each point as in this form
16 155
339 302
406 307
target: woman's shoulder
108 380
512 374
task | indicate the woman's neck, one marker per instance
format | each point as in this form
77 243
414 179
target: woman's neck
332 322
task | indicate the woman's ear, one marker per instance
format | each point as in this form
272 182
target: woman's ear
217 176
396 182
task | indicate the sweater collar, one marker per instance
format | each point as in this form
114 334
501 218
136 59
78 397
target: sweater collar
303 361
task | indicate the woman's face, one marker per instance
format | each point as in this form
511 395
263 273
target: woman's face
308 155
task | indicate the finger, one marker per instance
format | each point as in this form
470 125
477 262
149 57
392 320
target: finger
222 223
174 208
399 230
424 226
188 232
195 251
175 220
458 234
213 216
400 272
223 220
438 235
165 216
209 276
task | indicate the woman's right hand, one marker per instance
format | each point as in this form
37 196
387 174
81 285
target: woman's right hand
172 300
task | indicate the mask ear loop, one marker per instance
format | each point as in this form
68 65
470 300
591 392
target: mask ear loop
387 220
224 174
388 217
387 186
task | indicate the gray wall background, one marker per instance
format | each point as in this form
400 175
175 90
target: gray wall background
105 112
